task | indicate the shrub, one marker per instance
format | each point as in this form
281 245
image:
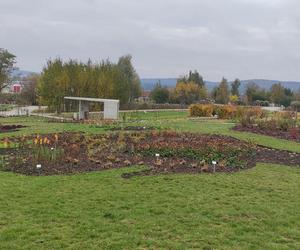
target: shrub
249 116
261 103
201 110
225 112
267 124
242 114
284 115
285 124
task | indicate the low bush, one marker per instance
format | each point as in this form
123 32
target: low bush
225 112
249 116
265 124
201 110
283 121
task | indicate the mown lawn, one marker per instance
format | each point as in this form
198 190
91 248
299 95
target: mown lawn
255 209
252 209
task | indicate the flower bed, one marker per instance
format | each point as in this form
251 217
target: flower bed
280 125
162 152
10 128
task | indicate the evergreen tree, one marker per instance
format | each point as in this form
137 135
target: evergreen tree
222 92
194 77
255 93
235 87
160 94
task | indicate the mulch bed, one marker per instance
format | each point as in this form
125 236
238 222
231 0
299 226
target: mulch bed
287 135
85 154
131 128
10 128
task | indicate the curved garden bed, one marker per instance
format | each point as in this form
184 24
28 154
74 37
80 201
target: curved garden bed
162 152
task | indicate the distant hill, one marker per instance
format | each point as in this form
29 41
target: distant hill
149 83
17 73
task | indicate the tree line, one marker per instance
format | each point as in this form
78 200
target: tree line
120 81
74 78
97 80
191 89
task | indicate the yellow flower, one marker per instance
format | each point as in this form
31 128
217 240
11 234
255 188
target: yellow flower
36 141
45 140
41 141
56 137
6 143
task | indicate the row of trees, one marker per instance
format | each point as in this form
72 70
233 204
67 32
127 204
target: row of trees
120 81
191 88
101 80
73 78
278 94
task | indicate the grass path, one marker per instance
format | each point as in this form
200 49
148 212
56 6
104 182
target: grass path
254 209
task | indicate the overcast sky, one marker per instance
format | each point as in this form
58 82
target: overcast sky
230 38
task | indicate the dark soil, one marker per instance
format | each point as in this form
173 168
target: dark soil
292 135
264 155
131 128
85 154
10 128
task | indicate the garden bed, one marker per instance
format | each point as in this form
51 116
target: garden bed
161 152
292 134
130 128
10 128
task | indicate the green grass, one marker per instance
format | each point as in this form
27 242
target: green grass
154 115
6 107
38 125
252 209
166 119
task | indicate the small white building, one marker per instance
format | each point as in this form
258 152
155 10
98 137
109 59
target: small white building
111 107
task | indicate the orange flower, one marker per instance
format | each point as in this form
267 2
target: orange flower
56 137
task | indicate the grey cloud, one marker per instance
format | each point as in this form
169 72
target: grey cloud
231 38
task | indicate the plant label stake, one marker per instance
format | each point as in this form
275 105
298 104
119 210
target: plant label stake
157 156
214 165
38 167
